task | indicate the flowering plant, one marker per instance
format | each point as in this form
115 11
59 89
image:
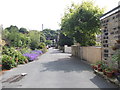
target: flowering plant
33 55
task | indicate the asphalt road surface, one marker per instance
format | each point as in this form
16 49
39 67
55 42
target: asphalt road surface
54 69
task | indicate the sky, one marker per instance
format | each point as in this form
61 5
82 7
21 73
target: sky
31 14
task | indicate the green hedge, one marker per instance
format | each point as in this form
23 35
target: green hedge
8 62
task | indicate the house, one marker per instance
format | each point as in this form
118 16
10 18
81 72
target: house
110 28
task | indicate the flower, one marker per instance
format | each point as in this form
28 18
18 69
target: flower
38 51
33 55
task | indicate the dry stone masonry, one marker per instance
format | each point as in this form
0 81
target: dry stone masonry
110 27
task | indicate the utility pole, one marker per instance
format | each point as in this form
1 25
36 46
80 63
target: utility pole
42 27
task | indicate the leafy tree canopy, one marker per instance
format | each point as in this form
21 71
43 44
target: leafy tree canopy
65 40
12 28
23 30
50 34
82 22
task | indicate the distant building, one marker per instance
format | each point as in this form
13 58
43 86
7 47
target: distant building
110 27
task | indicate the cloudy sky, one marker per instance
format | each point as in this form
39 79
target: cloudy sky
31 14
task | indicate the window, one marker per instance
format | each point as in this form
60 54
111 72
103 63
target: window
106 51
107 20
105 37
112 33
116 32
114 28
105 58
106 33
118 27
105 30
113 17
105 55
117 16
105 45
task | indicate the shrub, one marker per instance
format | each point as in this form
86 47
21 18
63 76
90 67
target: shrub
16 55
21 59
44 50
25 50
37 51
41 45
8 62
10 51
33 45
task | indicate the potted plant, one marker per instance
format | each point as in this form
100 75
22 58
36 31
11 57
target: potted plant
100 65
104 66
94 66
109 72
118 41
118 76
115 71
114 48
99 69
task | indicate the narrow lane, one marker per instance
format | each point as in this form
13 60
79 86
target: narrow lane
56 70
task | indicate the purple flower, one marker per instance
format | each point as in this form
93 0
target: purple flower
38 51
117 74
33 55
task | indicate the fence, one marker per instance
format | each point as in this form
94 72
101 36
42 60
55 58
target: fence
91 54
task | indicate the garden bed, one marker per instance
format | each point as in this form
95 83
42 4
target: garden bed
13 57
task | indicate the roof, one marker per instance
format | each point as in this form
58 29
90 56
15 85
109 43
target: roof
114 10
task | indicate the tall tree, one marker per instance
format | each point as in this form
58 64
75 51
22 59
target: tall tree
23 30
50 34
82 22
65 40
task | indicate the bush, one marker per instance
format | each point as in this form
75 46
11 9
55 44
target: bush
25 50
48 42
10 51
44 50
41 45
16 55
33 45
8 62
21 59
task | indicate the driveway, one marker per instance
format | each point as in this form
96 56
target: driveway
54 69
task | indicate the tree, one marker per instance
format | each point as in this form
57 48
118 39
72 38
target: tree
35 38
48 42
42 37
82 22
12 28
23 30
13 38
50 34
65 40
5 34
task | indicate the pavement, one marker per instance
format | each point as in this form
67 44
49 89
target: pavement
54 69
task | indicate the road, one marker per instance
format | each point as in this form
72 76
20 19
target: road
55 69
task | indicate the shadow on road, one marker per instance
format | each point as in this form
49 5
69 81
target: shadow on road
100 82
67 65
